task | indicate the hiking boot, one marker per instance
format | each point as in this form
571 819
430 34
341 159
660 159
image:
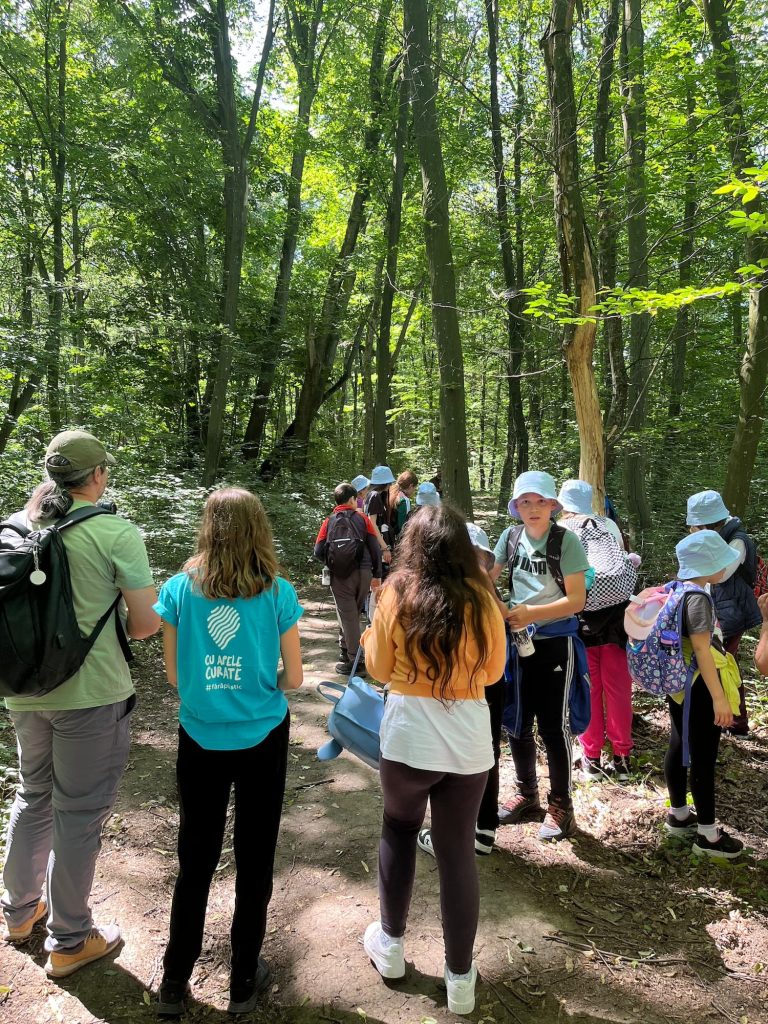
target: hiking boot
244 995
724 846
171 997
23 931
621 767
681 829
385 952
461 990
424 841
558 823
519 808
484 841
102 940
591 769
344 668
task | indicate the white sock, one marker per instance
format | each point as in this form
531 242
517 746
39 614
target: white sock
680 813
458 977
710 832
486 832
391 940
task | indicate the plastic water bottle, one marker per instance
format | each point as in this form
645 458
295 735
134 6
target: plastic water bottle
522 640
325 578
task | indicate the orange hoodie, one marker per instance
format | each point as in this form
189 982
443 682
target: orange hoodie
386 660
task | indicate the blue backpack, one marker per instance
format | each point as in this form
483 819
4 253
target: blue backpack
355 719
655 644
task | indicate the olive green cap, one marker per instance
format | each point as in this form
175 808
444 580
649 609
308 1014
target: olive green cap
76 449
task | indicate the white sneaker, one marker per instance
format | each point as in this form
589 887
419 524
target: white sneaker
461 990
385 952
424 841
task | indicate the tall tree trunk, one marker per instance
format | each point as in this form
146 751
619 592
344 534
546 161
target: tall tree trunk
392 236
575 253
608 230
512 255
682 328
453 428
303 26
754 366
633 112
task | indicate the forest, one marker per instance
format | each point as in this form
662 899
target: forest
276 237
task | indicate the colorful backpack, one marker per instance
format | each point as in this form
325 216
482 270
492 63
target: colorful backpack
654 625
615 575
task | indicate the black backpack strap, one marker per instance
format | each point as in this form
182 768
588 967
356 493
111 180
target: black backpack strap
513 540
554 554
80 515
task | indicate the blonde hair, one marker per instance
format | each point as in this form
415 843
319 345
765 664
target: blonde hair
235 550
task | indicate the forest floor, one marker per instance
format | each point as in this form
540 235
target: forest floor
616 925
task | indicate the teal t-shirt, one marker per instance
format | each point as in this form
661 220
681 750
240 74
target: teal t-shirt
532 581
227 660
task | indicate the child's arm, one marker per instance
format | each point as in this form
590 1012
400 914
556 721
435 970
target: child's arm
701 648
170 634
291 676
761 654
570 604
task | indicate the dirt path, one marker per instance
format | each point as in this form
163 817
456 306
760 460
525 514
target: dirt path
613 926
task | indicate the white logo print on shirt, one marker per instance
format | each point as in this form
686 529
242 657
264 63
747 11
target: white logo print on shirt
223 625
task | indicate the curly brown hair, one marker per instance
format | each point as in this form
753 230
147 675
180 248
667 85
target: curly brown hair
436 578
235 550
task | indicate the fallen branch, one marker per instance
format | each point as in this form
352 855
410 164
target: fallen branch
503 1002
311 785
636 959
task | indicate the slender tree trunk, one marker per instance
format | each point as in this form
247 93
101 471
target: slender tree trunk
608 229
754 366
511 254
633 90
453 429
575 254
392 229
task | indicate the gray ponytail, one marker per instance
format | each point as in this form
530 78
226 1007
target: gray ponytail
52 498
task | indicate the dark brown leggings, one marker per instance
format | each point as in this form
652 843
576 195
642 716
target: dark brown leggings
455 801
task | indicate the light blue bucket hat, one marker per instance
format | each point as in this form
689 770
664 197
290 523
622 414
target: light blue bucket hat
479 537
426 494
705 508
360 482
576 496
382 475
533 482
703 554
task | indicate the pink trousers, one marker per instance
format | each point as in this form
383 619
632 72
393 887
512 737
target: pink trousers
611 695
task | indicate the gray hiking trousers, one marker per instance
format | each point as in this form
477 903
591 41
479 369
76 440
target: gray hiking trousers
71 763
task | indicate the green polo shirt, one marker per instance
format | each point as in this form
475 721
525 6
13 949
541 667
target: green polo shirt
106 555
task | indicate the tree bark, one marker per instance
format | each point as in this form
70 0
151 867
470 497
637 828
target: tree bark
754 366
575 253
453 428
634 117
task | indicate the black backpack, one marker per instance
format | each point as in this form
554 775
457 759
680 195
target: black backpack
553 553
345 540
39 636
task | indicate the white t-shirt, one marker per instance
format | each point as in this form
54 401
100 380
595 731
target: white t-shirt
424 733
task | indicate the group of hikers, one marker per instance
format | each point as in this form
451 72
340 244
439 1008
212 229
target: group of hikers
462 665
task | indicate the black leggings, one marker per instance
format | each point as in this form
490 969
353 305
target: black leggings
205 778
545 675
455 801
703 741
488 815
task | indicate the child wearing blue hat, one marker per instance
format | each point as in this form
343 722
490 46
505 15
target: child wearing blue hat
547 566
735 601
703 557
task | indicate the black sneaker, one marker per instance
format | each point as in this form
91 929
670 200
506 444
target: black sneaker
591 768
622 770
518 809
344 668
681 829
484 841
724 846
244 996
171 997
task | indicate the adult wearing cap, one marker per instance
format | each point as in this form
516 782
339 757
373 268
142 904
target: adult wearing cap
547 590
735 601
73 742
703 558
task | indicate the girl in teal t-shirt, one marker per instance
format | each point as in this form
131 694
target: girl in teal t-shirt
228 618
